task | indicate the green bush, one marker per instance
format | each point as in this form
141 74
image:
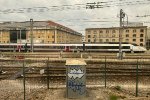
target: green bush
118 88
113 97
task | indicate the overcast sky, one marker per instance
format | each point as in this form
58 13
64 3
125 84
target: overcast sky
73 13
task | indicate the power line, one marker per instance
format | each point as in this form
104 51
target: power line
102 4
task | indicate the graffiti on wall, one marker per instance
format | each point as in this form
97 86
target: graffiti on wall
76 86
74 74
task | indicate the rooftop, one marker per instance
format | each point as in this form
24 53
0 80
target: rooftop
36 24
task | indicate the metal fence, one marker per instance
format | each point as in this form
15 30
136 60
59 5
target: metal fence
24 79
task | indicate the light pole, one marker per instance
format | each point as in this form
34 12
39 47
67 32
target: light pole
31 34
122 15
20 41
120 34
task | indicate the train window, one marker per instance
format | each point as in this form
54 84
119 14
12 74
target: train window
126 47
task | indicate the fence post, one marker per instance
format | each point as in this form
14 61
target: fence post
137 80
48 73
24 81
105 71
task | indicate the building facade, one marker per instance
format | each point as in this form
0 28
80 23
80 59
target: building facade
42 32
134 35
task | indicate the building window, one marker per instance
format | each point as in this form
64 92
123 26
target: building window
89 40
141 40
107 35
141 30
113 31
39 37
89 32
113 35
141 35
100 31
89 36
134 40
127 31
94 36
100 40
48 36
52 36
113 40
141 44
100 35
127 40
95 32
134 35
134 31
107 40
127 35
107 31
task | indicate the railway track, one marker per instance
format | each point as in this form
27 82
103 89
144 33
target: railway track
75 55
60 72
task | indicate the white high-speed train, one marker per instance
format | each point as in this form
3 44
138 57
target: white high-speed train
87 47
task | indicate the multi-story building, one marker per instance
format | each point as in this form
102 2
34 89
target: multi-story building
135 35
42 32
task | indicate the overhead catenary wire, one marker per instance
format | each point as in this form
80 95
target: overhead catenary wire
81 6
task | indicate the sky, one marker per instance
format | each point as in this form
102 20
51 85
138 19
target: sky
73 13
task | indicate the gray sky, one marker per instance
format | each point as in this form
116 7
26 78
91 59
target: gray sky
73 13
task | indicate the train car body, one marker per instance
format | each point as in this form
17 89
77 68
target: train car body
105 47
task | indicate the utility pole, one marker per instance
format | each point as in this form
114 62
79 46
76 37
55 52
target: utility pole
120 34
31 33
122 15
20 40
